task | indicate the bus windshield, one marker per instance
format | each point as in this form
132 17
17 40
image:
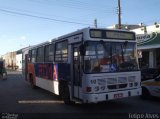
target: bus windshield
110 57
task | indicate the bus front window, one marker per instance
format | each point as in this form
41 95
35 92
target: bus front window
109 57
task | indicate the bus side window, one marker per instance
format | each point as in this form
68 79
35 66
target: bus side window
33 55
46 52
61 53
29 56
40 54
49 53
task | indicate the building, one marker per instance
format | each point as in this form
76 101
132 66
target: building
13 60
148 39
19 59
10 60
125 27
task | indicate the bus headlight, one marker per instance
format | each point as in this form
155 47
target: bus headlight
88 89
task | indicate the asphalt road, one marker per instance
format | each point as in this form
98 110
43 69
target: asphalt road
19 100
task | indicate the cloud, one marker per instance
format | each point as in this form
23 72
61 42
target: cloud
23 37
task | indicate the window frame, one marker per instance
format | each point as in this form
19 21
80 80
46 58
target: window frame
33 55
40 56
48 55
61 54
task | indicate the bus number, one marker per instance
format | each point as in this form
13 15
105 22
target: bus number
93 81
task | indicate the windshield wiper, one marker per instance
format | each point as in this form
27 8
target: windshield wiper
123 47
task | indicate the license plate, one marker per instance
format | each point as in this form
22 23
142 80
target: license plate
119 95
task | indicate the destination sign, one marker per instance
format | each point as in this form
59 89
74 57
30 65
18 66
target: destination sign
120 35
111 34
96 33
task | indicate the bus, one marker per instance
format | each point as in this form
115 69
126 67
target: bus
90 65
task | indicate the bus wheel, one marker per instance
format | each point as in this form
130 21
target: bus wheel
31 82
64 93
145 93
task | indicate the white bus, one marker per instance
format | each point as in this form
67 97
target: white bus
90 65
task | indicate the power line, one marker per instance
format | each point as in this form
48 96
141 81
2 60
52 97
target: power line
38 13
41 17
91 9
79 6
24 12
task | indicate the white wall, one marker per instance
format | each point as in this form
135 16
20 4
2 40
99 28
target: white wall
19 61
150 29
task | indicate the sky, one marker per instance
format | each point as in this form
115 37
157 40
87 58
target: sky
30 22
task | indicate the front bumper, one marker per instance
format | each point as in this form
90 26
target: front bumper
100 97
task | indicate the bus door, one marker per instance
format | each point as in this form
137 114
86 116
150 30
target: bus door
76 72
25 70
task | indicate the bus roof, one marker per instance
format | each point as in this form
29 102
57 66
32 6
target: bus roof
73 33
87 29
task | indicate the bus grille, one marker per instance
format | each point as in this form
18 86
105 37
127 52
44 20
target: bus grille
118 86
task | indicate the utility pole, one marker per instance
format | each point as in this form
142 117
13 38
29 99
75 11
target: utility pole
95 23
119 15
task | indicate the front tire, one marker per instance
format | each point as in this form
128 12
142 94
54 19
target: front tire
145 93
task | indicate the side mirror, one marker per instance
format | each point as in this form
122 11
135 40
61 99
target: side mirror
82 50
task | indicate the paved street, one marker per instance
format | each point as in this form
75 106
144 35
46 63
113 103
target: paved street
17 99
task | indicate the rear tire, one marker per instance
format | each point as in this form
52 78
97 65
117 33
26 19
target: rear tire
31 82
